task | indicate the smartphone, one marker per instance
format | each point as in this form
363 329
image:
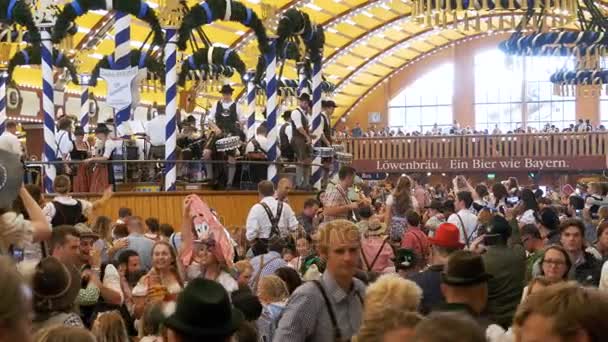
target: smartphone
16 253
513 200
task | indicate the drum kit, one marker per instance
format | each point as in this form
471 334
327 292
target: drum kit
228 144
335 151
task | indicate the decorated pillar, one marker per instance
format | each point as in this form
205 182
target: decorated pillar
122 41
171 18
171 109
250 109
317 170
3 77
83 119
271 109
48 107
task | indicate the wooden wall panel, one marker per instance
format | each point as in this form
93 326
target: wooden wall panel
232 206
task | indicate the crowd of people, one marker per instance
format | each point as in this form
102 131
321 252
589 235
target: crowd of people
396 260
456 129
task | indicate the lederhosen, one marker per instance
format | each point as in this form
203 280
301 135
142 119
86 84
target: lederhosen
301 149
59 168
285 145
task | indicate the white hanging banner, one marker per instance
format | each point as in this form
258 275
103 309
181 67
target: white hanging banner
120 87
141 75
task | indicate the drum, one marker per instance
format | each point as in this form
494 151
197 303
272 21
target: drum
324 152
344 158
338 148
228 144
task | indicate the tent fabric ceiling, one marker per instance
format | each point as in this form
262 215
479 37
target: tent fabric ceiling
366 41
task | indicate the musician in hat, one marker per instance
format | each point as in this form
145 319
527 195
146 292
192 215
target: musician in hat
301 141
223 121
285 135
327 110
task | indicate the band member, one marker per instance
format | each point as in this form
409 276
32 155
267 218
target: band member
81 151
256 150
327 110
103 174
223 122
285 135
302 141
65 144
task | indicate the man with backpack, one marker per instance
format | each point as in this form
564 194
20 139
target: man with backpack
269 218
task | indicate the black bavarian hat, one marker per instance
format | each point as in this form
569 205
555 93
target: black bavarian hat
464 269
304 97
203 309
328 104
102 128
227 89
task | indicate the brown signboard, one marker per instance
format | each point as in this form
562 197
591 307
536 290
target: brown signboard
582 163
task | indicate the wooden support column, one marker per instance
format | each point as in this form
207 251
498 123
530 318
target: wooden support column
463 102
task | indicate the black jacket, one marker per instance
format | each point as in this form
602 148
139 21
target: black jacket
588 273
430 282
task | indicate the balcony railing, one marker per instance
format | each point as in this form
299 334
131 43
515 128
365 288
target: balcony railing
479 146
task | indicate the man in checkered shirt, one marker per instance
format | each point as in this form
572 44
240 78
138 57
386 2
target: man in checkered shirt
336 204
330 309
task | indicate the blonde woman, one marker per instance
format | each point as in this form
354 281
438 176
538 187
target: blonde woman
390 326
109 327
163 282
273 294
62 333
391 291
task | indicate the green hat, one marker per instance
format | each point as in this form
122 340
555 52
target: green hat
203 310
404 259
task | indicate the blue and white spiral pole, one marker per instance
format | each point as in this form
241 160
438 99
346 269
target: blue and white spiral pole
317 130
250 109
3 77
84 107
271 109
48 107
122 52
302 80
171 109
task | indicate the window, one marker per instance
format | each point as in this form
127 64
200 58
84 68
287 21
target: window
498 89
543 106
425 102
500 98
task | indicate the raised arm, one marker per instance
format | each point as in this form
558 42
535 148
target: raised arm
42 228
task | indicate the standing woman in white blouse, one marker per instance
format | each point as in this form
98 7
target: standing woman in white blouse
102 173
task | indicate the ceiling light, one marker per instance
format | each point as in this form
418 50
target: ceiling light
350 22
314 7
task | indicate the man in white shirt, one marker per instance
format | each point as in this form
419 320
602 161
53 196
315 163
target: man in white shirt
155 130
464 219
64 138
285 136
259 225
9 141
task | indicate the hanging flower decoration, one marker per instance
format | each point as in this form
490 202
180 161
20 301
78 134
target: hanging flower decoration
211 60
18 11
209 11
31 56
295 23
139 59
77 8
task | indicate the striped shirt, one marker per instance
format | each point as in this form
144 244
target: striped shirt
272 262
306 317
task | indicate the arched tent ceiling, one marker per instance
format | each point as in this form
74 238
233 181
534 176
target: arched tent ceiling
365 41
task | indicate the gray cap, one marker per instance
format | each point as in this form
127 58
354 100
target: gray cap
11 178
